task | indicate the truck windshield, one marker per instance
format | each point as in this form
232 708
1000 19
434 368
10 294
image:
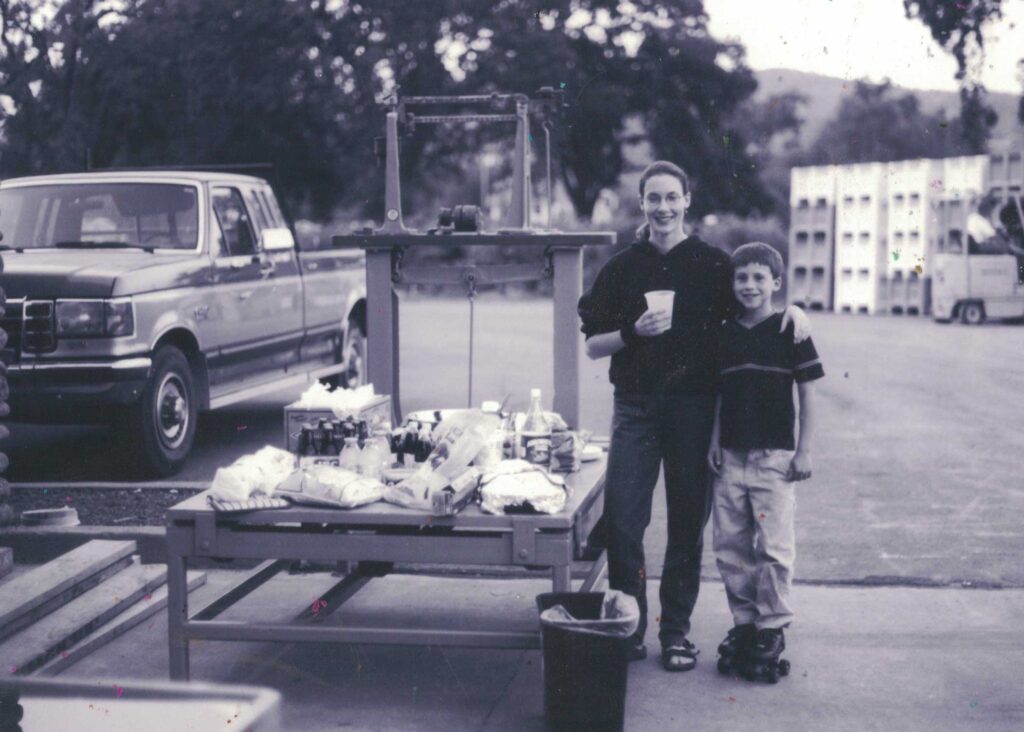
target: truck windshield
145 215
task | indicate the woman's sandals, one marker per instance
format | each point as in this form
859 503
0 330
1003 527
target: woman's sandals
679 655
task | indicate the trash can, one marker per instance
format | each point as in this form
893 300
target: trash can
585 658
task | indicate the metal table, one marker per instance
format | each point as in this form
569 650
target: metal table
374 534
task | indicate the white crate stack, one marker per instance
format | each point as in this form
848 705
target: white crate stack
964 181
861 238
914 187
1006 170
811 237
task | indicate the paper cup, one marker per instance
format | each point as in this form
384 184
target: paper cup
661 301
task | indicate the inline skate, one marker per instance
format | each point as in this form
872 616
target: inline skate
734 647
762 660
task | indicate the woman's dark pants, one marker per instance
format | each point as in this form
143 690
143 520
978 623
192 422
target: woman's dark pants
647 431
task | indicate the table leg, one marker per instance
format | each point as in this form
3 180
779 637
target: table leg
598 573
561 578
177 616
568 286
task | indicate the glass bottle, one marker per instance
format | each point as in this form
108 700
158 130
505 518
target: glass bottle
376 455
535 435
351 455
508 431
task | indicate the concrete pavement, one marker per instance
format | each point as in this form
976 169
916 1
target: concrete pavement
863 659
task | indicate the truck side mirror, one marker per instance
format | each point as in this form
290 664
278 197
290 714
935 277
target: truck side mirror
278 239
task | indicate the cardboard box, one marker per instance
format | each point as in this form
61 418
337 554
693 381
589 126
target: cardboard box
453 498
377 412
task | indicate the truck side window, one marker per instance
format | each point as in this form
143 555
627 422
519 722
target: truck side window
260 217
234 221
218 242
271 205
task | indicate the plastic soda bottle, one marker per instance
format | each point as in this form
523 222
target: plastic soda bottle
351 455
535 435
376 455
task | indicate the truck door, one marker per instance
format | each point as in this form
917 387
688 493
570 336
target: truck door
280 294
949 272
330 276
254 337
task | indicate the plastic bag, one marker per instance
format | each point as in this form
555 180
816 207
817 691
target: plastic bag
340 401
458 439
327 485
620 617
566 451
517 483
258 473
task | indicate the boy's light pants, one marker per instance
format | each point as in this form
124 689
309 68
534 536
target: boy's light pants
754 540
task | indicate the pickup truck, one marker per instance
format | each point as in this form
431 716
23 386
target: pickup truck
142 298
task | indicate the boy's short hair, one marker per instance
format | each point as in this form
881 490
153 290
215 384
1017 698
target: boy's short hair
757 252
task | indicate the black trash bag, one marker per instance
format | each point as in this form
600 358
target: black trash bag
619 615
586 638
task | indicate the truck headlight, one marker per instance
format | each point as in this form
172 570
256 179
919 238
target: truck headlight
95 318
118 317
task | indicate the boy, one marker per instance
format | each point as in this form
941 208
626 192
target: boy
756 463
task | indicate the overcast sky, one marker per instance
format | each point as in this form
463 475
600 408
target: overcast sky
851 39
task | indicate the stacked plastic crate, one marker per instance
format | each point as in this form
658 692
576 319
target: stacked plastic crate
914 188
964 181
1006 174
812 236
861 242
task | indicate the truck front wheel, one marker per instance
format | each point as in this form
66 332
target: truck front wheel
163 423
972 313
351 353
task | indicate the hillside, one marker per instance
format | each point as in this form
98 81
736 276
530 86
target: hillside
824 94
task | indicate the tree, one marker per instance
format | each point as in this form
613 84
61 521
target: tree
649 57
161 82
298 83
875 123
43 48
772 128
958 27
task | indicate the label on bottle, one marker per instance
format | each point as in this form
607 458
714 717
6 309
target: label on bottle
311 461
535 448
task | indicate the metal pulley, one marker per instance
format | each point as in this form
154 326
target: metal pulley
462 218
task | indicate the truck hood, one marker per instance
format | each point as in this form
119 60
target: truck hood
94 273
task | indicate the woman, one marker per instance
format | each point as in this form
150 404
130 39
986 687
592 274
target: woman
662 371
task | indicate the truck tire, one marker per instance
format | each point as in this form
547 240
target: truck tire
163 423
972 313
352 353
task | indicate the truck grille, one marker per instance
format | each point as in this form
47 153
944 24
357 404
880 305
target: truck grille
38 329
11 323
